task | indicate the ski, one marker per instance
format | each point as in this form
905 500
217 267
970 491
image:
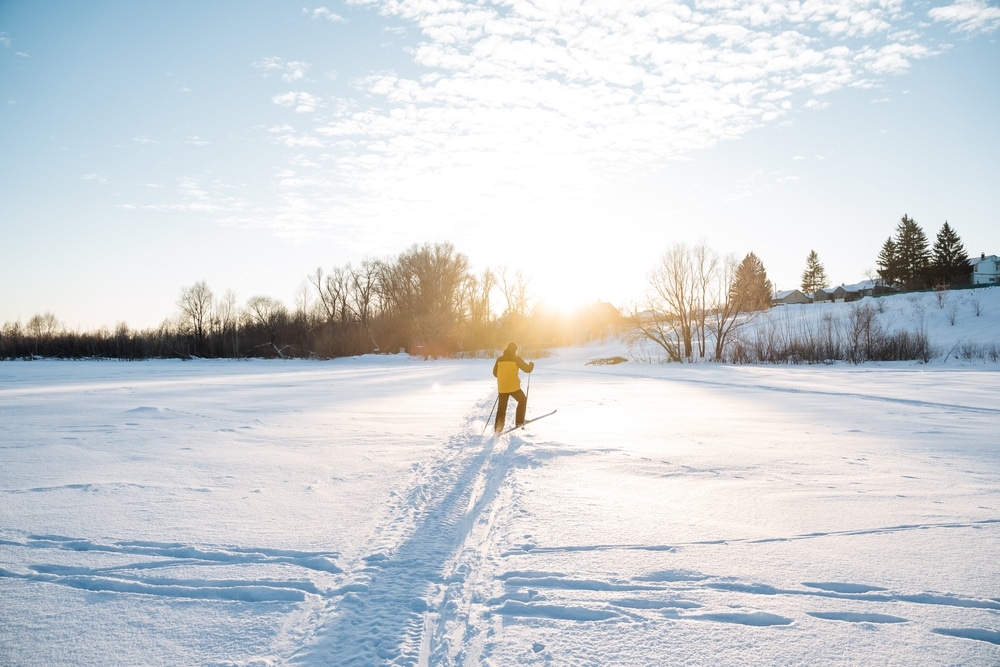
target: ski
526 422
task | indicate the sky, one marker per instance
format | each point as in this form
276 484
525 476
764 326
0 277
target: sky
145 147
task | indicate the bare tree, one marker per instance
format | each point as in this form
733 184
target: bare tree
515 291
476 295
306 318
693 300
44 325
669 319
332 291
706 269
729 306
364 297
269 314
196 304
424 284
227 320
42 328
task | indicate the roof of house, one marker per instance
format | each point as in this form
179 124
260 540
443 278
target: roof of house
784 294
856 287
976 260
860 287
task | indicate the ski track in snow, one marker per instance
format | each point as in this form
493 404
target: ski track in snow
409 597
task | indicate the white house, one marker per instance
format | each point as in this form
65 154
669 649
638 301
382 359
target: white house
986 270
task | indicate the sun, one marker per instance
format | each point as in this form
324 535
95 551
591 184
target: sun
561 303
564 293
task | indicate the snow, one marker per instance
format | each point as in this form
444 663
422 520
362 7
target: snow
358 511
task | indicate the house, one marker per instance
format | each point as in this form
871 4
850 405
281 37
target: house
872 288
986 270
788 296
851 292
838 294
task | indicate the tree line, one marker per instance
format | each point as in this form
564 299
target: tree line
907 261
426 301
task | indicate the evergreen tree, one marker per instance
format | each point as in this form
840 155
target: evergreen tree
814 277
750 289
888 263
912 254
949 261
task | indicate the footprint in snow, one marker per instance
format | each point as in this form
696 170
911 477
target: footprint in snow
852 617
756 619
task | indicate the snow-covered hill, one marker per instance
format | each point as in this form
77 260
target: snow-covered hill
957 326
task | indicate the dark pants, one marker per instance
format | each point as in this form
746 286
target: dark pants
522 409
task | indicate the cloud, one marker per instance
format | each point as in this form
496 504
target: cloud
600 68
300 102
300 141
295 71
291 71
515 110
892 58
971 16
6 42
193 195
324 13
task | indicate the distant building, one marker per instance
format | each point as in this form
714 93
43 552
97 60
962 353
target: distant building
789 296
838 294
843 293
986 270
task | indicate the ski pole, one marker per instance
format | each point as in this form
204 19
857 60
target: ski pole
491 414
527 391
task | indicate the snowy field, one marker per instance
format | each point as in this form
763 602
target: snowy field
353 512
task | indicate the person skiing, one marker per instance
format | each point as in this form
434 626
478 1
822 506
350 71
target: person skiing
505 370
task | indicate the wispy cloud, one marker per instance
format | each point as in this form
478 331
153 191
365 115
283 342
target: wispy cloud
190 194
971 16
297 101
520 104
7 43
324 13
291 71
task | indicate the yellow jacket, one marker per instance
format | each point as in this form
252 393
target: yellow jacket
505 370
